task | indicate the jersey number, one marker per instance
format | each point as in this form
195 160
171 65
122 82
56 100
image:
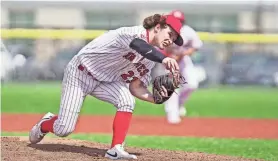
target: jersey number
129 77
130 56
141 68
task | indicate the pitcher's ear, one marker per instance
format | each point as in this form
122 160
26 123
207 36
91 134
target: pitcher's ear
157 28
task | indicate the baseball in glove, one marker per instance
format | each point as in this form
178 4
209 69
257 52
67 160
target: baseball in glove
168 82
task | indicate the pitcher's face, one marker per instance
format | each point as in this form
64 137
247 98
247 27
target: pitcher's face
164 37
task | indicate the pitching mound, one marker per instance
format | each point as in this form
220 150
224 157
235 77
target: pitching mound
18 149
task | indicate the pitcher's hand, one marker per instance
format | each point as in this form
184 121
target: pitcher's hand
170 64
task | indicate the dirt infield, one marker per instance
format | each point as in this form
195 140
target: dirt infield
18 149
146 125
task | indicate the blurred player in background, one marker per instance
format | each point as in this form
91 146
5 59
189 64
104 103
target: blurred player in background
9 62
174 107
114 68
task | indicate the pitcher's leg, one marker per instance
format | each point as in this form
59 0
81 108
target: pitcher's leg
118 94
75 89
71 104
63 124
76 85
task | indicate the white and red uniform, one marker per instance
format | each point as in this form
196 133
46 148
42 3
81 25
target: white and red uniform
191 39
103 68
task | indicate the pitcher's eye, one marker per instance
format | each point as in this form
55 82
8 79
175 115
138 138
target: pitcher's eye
170 34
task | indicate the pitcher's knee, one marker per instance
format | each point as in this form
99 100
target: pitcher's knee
126 104
126 109
62 133
63 130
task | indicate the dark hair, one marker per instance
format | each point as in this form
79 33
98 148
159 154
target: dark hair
152 21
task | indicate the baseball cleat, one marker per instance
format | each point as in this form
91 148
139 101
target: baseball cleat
36 135
118 152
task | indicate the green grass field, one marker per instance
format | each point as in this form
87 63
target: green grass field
223 102
251 102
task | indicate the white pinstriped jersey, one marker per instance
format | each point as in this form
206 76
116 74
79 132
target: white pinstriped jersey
109 58
113 64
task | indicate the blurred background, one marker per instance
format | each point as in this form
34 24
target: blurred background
240 37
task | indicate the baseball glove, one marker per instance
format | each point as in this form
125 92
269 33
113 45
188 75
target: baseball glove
170 82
